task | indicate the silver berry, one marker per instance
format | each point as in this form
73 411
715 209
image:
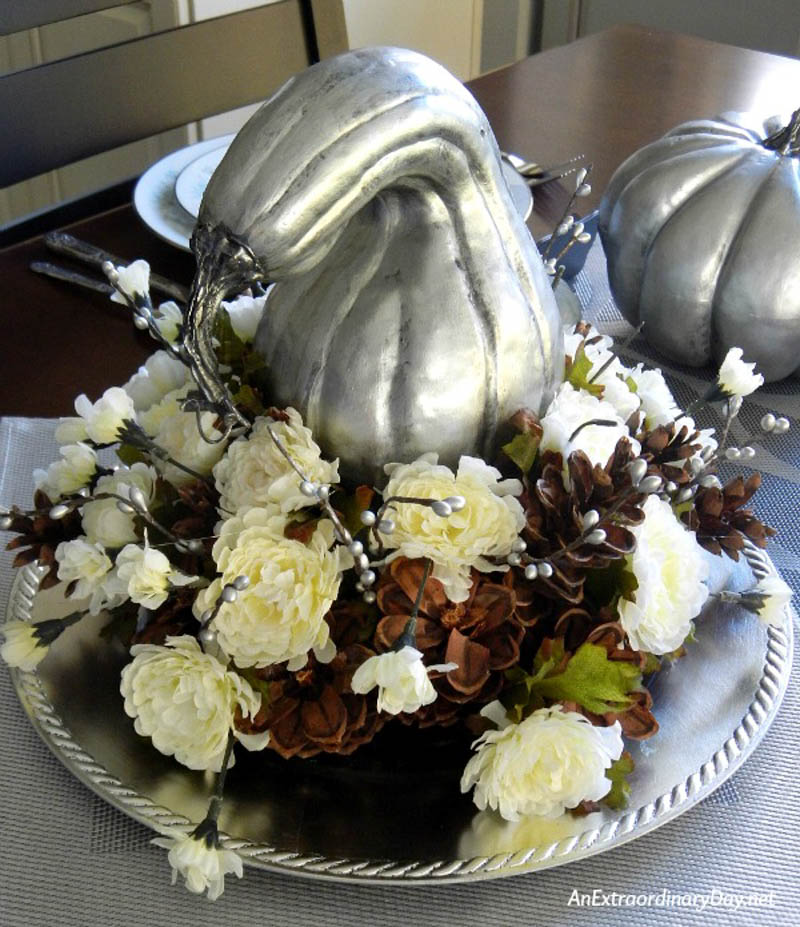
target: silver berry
356 548
545 570
386 526
514 559
440 507
531 571
369 597
368 518
456 503
307 488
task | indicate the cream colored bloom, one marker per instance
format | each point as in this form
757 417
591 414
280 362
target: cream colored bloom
280 616
145 575
70 430
770 598
102 521
89 567
184 700
737 378
401 678
107 416
670 569
134 280
22 647
487 526
160 374
68 475
571 409
597 349
550 761
169 319
201 863
176 431
245 313
255 473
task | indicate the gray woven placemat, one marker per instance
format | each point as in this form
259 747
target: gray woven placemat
68 859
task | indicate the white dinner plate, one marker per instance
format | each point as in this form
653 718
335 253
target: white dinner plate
168 195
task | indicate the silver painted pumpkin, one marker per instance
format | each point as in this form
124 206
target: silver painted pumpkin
411 311
701 231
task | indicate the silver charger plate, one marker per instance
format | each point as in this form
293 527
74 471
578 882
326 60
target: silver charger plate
167 196
392 811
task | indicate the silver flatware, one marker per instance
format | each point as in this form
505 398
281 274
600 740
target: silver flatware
86 253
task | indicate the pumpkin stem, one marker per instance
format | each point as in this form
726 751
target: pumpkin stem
787 140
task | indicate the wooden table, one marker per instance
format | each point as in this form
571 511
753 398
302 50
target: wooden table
604 96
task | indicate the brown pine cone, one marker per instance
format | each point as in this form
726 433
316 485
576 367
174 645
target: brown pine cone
720 520
38 536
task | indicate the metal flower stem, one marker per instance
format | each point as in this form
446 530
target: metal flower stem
566 213
142 307
409 636
133 434
341 532
614 352
207 828
181 543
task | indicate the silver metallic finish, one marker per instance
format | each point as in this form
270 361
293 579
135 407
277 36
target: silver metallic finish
519 545
440 507
545 570
5 522
57 512
356 548
531 572
590 519
514 559
229 594
368 518
597 536
637 469
241 583
650 484
300 820
701 230
411 312
387 525
456 503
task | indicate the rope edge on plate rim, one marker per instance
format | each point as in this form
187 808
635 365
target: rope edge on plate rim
723 763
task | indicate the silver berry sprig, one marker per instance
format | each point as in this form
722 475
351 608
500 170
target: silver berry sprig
207 636
141 305
592 525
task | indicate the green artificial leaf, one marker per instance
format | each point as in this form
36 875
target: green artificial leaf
259 684
652 665
130 455
604 587
631 384
522 449
592 680
620 790
577 373
248 400
351 505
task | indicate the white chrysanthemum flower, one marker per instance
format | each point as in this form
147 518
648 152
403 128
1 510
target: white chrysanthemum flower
549 762
107 416
280 616
737 378
401 678
133 281
185 700
571 409
160 374
198 858
670 570
89 567
68 475
245 313
597 350
177 433
145 575
70 430
768 599
487 526
102 521
22 648
255 473
169 319
658 403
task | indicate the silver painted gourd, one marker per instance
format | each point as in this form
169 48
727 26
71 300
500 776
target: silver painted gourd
411 311
701 231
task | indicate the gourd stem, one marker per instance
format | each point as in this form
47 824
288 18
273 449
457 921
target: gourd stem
787 140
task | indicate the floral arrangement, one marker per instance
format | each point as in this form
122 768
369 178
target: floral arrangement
268 603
